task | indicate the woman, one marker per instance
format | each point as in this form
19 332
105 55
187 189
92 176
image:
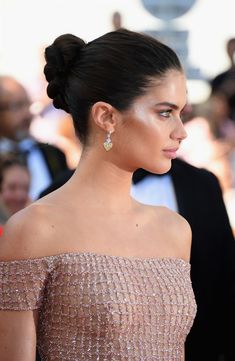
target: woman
14 185
89 272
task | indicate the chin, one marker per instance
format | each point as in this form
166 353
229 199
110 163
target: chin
160 169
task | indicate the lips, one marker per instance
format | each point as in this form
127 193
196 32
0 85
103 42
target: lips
170 152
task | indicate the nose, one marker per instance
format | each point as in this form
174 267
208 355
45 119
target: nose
179 133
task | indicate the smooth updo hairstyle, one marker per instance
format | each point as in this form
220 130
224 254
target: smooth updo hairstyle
114 68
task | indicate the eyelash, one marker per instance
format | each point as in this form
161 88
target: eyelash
166 113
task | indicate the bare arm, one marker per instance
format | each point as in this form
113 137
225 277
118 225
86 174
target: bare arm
18 321
18 335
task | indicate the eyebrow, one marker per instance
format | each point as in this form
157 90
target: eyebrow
167 104
171 105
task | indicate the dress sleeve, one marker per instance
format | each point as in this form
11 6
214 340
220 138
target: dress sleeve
22 283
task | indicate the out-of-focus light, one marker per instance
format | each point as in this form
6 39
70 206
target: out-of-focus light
36 107
198 91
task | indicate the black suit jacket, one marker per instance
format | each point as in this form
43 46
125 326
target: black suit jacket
54 158
200 201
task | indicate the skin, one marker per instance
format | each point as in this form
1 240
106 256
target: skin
15 188
108 220
155 125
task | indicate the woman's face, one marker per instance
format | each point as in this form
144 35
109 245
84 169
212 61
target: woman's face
151 131
15 188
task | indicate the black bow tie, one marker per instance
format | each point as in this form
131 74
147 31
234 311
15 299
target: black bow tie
140 174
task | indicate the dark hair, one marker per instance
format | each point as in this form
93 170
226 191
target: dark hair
7 164
114 68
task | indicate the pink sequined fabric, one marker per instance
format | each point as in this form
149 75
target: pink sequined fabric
106 308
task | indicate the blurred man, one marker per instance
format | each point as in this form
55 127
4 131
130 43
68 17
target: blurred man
224 83
219 79
44 161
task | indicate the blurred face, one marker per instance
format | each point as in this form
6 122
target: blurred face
15 188
152 130
220 107
15 116
231 50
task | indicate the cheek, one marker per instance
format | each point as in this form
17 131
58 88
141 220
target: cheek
149 136
8 192
5 122
14 197
141 141
8 197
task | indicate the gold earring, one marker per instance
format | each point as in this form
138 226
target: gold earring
108 142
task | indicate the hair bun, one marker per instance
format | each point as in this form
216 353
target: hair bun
63 52
60 57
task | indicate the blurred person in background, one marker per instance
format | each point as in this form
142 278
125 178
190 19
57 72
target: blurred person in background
225 81
3 213
44 161
220 78
116 20
211 144
67 141
218 114
14 185
223 164
51 125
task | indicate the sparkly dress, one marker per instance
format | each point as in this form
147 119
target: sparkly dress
106 308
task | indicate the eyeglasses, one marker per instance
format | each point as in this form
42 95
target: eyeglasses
14 106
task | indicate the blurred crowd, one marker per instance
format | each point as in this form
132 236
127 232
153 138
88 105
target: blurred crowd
39 151
211 132
35 146
38 142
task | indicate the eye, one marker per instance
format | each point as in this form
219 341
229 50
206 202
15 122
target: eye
166 113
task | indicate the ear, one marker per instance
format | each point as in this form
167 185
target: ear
105 116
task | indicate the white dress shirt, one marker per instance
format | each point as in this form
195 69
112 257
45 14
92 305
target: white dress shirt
40 176
154 190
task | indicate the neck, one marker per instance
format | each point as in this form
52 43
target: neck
102 184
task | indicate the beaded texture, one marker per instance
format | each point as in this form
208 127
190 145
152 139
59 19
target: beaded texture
97 307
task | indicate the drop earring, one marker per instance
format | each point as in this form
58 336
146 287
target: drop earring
108 141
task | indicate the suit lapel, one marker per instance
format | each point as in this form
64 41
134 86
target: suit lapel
180 185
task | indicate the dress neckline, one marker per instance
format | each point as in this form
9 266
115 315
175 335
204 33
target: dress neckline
107 256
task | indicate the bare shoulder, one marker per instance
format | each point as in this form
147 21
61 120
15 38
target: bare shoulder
176 231
28 233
